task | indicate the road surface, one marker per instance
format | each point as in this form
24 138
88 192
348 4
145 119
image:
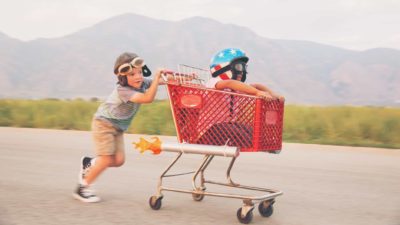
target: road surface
322 185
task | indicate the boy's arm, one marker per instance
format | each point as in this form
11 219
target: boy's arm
261 87
150 93
241 87
264 88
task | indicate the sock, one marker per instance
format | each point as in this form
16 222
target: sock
92 162
84 183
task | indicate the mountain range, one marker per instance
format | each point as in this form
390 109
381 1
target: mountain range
81 64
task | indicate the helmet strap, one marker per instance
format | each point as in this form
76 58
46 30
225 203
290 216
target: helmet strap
221 71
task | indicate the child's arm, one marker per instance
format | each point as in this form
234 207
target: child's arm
150 93
264 88
242 87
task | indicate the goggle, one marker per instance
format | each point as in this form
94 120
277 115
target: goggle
128 67
239 67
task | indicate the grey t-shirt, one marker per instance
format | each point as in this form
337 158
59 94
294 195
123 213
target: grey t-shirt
118 109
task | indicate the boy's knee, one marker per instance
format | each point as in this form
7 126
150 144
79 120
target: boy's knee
112 161
118 163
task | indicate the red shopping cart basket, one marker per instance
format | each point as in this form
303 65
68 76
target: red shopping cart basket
213 117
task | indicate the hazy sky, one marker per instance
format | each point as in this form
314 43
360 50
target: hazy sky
351 24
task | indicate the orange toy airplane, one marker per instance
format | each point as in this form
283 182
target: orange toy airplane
144 145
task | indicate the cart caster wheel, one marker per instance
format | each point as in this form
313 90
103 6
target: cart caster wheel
197 197
155 202
266 211
246 219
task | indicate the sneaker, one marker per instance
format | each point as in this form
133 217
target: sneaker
84 194
85 165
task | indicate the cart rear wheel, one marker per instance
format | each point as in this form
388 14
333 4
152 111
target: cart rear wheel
155 202
197 197
247 218
265 208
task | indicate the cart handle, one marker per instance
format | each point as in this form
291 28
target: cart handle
178 76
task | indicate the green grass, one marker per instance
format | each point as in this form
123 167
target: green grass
344 125
49 113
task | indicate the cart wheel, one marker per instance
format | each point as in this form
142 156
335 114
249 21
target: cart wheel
266 211
197 197
247 219
155 202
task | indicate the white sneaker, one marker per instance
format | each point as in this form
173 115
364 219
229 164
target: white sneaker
85 194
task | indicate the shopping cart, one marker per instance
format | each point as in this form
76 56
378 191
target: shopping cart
220 123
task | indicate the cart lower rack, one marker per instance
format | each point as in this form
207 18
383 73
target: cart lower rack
244 213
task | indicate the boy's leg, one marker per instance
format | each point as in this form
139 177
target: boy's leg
104 136
83 191
104 161
119 156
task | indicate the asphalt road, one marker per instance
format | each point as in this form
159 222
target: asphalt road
322 185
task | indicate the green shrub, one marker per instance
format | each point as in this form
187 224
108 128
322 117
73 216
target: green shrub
341 125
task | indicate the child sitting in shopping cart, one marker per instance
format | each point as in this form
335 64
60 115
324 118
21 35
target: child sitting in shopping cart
228 70
228 121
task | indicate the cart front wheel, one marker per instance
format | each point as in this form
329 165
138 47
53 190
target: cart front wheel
247 218
265 208
155 202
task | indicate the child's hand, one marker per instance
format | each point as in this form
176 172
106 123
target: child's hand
158 74
264 95
281 98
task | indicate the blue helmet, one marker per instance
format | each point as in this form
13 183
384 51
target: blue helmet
224 64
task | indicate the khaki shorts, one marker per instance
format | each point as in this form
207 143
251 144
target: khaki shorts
108 140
